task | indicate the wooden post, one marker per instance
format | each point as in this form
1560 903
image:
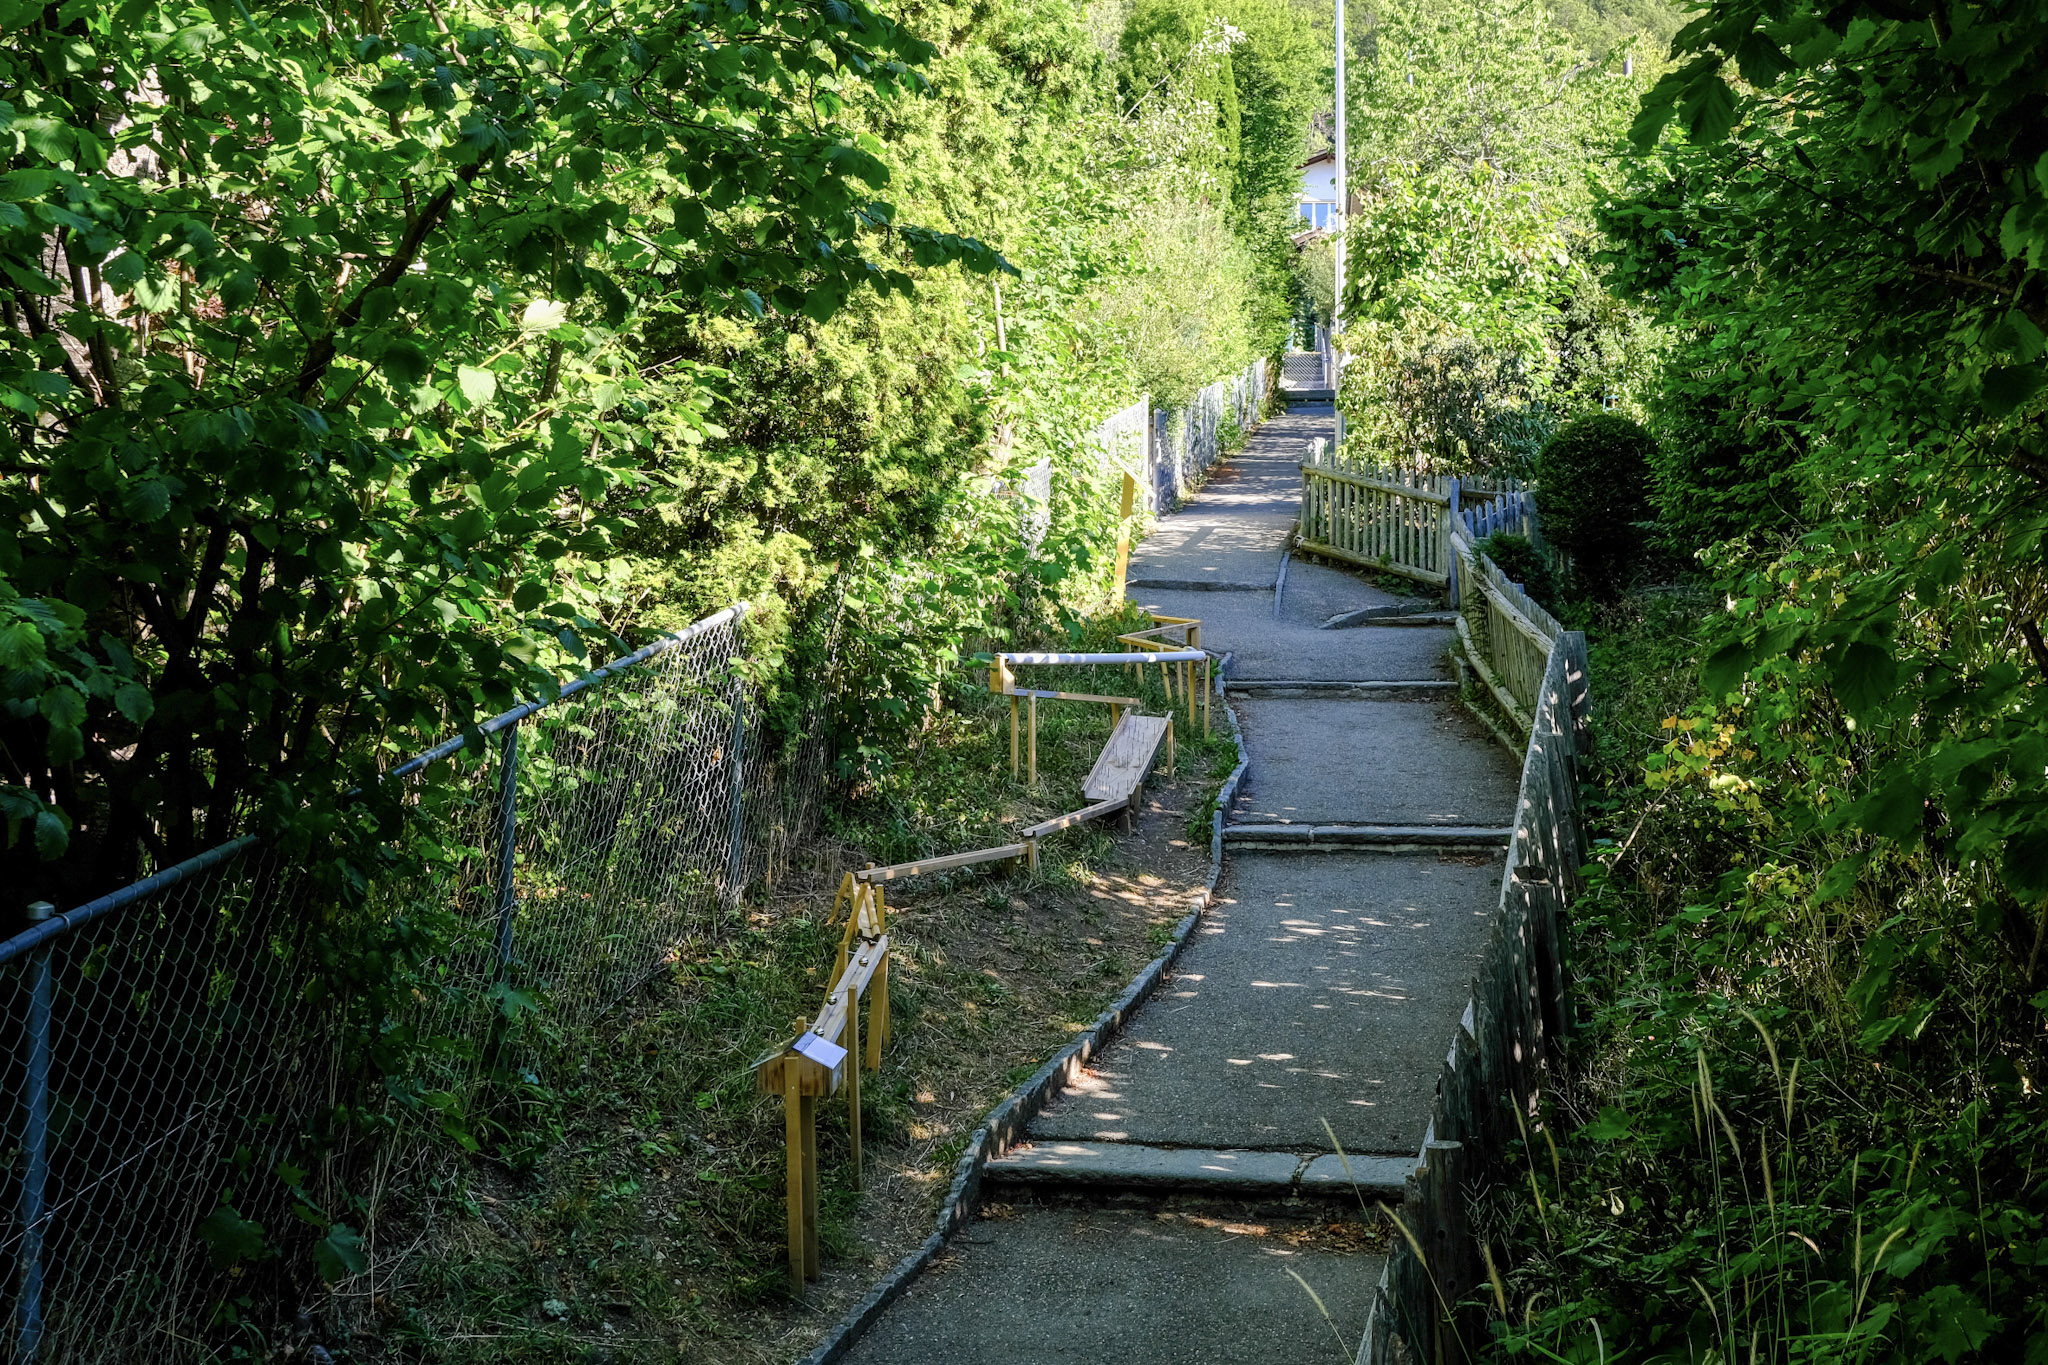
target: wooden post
1208 696
878 1013
1032 707
809 1123
1031 856
851 1042
1013 739
852 925
794 1113
1448 1241
1169 743
1123 537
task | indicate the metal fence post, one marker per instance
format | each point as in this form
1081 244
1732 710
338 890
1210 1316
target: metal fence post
35 1143
735 848
508 840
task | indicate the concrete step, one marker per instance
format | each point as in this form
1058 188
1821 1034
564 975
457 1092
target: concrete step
1309 395
1414 690
1071 1279
1366 838
1134 1165
1388 616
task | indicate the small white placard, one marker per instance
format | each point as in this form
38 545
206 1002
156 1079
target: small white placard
823 1051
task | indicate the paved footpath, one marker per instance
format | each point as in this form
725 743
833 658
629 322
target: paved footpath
1160 1202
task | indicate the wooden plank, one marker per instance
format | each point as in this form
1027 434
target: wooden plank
1076 817
1170 656
1514 617
878 1014
1378 485
942 864
1125 760
851 1042
1073 696
810 1133
869 965
1031 741
1435 580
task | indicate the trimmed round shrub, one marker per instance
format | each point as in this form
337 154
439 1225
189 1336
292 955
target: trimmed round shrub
1593 494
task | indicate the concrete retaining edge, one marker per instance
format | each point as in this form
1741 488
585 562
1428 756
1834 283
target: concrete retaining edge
1007 1120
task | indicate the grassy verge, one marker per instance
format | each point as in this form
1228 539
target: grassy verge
631 1207
1799 1121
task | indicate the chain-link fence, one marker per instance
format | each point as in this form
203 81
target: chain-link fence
190 1058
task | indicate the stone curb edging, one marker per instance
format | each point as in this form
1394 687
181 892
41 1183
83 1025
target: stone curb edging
1007 1120
1228 792
1387 617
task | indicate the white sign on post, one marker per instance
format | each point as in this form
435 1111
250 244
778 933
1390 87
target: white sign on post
823 1051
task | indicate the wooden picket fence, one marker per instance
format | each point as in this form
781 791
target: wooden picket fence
1376 524
1507 637
1402 519
1490 1087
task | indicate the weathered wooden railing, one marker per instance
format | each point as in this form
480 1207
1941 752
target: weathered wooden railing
1376 524
1507 637
1486 511
1489 1089
1403 519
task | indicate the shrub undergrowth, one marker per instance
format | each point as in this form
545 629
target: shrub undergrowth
1799 1121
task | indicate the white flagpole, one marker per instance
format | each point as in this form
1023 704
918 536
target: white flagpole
1343 203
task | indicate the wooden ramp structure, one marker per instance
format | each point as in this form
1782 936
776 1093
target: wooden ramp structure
1128 757
828 1054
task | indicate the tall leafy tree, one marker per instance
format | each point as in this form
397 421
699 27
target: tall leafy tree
317 365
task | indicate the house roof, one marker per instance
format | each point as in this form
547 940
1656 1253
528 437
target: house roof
1327 154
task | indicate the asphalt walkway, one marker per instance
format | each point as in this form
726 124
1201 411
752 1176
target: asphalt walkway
1157 1208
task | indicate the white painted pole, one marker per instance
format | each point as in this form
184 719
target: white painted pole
1343 203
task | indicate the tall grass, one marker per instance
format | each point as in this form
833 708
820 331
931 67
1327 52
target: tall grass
1801 1120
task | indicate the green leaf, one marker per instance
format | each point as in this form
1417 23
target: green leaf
1726 668
53 835
1863 676
230 1238
133 701
47 137
156 293
1893 810
1761 60
339 1254
2008 386
543 315
1709 109
1610 1125
1840 879
21 646
478 386
62 705
2025 863
147 500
